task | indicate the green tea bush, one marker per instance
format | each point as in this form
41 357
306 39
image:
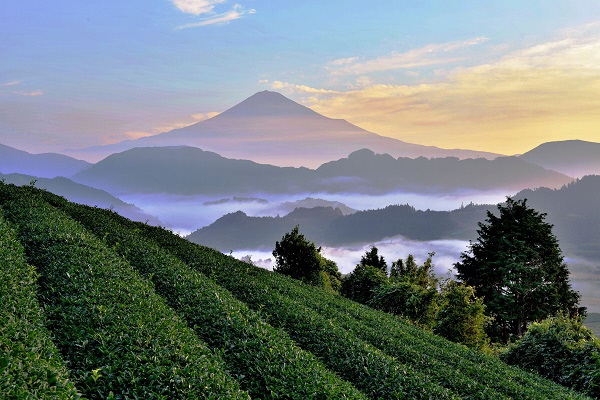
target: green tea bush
264 360
30 364
118 336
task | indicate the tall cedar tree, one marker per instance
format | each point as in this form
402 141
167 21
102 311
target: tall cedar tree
517 267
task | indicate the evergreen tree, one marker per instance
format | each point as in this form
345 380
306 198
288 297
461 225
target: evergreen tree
517 267
374 260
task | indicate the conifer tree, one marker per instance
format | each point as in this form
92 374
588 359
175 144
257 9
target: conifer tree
518 269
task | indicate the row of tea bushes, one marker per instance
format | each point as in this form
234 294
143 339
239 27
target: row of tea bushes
30 364
496 379
373 372
451 365
265 361
118 337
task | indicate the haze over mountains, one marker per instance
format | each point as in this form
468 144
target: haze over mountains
270 128
575 158
191 171
48 165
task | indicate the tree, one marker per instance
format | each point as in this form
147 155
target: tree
411 291
409 271
412 301
374 260
517 267
461 317
300 259
360 284
297 257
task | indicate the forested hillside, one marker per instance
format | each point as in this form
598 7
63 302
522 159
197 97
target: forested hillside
99 306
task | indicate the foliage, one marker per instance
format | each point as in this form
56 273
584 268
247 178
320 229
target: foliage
410 272
373 259
330 273
30 364
461 315
297 257
412 301
360 284
561 349
517 267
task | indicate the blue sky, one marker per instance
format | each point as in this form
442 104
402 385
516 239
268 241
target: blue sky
500 76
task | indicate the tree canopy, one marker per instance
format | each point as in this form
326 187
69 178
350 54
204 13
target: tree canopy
517 266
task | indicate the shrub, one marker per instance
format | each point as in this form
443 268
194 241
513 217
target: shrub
561 349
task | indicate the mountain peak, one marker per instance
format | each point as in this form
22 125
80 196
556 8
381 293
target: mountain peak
267 103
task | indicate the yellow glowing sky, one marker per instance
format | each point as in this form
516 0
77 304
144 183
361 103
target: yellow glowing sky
546 92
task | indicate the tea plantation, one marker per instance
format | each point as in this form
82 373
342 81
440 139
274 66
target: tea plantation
93 305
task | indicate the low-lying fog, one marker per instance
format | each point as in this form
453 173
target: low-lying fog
185 214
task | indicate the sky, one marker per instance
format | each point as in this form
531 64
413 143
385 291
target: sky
501 76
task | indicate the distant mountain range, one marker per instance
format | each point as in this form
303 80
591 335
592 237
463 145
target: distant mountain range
188 170
47 165
574 158
82 194
574 210
271 129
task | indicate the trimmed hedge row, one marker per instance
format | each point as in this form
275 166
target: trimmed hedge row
30 364
265 361
118 336
499 378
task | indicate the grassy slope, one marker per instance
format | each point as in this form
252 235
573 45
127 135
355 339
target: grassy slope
269 324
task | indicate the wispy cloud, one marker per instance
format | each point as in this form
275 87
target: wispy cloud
13 83
432 54
290 87
206 8
537 94
196 7
33 93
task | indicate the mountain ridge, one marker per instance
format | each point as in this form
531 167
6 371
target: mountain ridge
189 170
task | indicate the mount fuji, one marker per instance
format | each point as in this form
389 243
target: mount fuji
270 128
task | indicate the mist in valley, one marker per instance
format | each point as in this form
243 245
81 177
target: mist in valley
184 214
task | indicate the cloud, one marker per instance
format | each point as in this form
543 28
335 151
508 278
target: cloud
13 83
432 54
33 93
236 12
196 7
278 85
537 94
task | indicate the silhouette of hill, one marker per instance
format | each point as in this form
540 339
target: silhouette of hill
574 158
189 170
47 165
330 227
270 128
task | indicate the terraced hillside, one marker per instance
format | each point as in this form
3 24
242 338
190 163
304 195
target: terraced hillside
98 306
